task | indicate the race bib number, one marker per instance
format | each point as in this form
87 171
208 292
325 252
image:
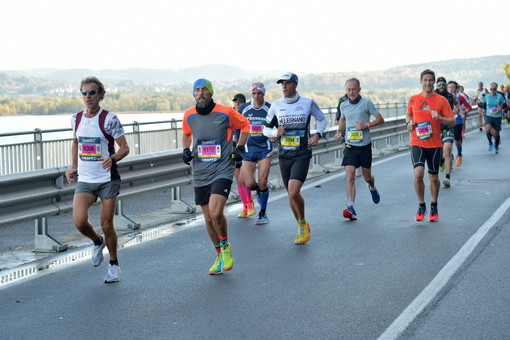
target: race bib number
423 130
354 136
494 110
256 130
209 150
291 140
89 148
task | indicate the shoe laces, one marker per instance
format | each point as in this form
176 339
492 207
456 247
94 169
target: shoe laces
301 230
421 210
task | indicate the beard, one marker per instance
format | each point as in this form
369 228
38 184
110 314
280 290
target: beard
203 103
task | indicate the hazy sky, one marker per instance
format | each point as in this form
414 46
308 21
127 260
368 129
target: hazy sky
297 35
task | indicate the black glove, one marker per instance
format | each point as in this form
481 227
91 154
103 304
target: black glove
237 155
187 156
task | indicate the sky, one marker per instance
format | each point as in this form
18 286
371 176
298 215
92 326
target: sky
301 36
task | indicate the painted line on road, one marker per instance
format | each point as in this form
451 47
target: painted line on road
435 287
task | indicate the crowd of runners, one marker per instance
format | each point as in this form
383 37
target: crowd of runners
223 142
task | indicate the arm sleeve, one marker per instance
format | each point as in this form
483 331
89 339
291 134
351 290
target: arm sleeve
270 122
114 127
322 121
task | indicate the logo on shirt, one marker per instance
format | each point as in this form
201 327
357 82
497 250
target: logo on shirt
424 106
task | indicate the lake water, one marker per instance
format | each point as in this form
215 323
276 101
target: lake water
25 124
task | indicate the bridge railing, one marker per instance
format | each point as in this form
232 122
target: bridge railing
43 193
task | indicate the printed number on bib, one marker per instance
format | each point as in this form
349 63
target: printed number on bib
291 140
209 150
494 110
423 130
256 130
89 148
354 136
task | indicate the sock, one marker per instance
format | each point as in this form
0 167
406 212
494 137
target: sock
489 137
257 188
498 139
423 205
217 248
350 204
99 241
459 151
433 204
114 262
264 196
448 176
223 241
247 194
242 195
372 188
301 222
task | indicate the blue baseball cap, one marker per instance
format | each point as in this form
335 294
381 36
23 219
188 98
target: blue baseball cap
289 76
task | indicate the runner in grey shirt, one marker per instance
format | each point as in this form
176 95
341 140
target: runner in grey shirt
355 126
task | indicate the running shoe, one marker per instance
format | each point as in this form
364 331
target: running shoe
420 215
376 198
441 167
350 213
446 183
113 274
97 253
251 208
303 234
458 161
217 267
480 128
228 261
433 213
243 213
262 219
489 148
496 150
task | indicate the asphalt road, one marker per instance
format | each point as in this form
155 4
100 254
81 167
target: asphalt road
353 280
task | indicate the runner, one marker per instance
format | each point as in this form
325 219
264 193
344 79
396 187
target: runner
291 116
466 96
355 121
479 100
210 126
494 104
425 113
259 150
244 193
447 133
462 107
94 162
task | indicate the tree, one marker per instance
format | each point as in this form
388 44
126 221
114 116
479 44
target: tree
507 71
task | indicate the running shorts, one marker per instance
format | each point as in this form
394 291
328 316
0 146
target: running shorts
220 186
358 156
294 169
432 156
104 191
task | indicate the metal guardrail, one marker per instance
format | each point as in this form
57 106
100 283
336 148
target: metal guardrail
43 193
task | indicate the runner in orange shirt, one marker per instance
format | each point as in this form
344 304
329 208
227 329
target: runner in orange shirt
425 113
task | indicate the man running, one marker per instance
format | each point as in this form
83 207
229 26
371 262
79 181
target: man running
494 104
447 133
210 126
425 113
291 116
94 162
462 107
258 150
355 122
479 100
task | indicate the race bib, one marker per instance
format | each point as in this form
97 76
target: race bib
256 130
423 130
89 148
291 140
494 110
354 136
209 150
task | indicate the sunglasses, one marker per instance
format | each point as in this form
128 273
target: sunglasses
440 84
91 92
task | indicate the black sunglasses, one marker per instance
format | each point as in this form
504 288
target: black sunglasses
91 92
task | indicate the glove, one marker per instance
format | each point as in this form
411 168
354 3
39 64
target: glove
187 156
237 155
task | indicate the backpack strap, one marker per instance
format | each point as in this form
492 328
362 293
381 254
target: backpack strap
78 120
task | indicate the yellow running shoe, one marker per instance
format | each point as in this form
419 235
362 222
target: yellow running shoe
217 267
251 208
303 234
243 213
228 261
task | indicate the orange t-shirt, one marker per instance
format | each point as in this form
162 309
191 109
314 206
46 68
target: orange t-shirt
427 130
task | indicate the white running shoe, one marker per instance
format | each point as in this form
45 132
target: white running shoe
97 252
113 274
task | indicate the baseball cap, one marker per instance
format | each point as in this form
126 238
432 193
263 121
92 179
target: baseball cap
240 97
441 79
288 76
